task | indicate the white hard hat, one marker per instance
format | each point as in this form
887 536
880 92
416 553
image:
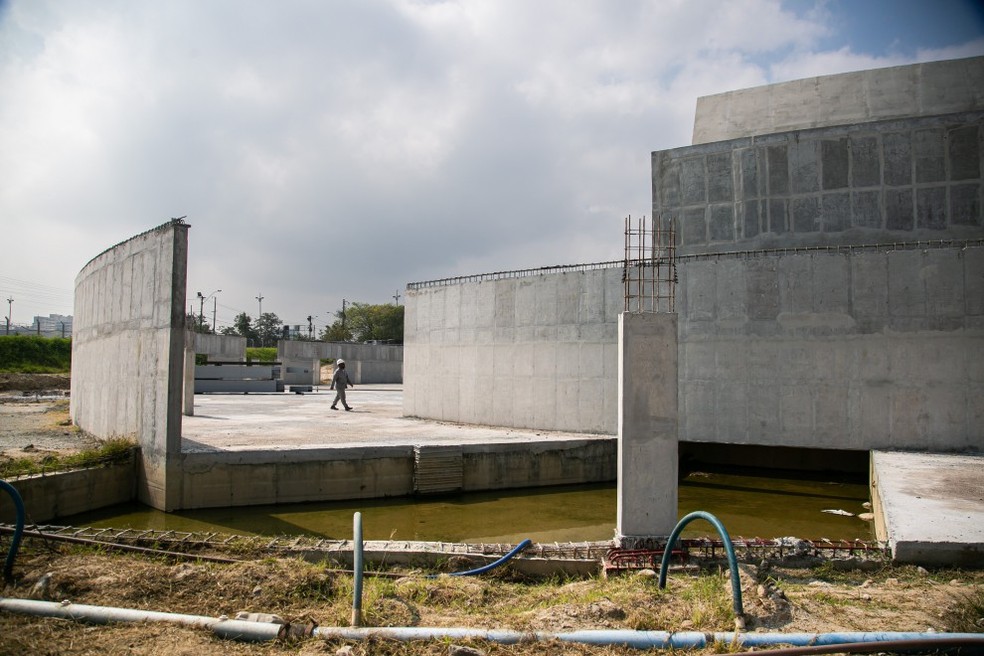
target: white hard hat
339 361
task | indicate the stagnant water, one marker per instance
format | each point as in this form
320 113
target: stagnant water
748 506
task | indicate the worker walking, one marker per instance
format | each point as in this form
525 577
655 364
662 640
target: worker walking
339 381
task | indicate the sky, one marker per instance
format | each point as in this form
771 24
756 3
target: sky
324 150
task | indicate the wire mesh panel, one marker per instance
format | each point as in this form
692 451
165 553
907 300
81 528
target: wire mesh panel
649 271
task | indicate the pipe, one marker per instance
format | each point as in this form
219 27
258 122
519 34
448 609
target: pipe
8 565
485 568
357 569
258 631
664 566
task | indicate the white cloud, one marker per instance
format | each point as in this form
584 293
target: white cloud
330 150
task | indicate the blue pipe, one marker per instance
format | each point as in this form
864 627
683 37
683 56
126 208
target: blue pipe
8 566
481 570
357 569
664 565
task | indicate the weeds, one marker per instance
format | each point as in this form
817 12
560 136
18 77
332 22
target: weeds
109 452
967 613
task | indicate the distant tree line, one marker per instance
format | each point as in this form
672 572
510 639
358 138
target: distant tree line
358 322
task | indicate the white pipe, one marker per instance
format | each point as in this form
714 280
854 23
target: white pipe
261 631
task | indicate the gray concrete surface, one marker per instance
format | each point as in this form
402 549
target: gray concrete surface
128 352
282 448
646 502
943 87
286 421
930 507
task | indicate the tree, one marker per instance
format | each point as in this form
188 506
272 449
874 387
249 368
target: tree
242 325
336 333
194 322
269 328
375 322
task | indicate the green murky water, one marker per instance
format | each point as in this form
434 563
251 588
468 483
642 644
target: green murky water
748 506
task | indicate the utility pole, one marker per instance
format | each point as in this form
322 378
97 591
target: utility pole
215 304
260 299
201 310
343 312
396 296
10 312
310 326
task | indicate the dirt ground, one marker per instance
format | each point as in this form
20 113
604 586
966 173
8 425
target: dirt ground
818 596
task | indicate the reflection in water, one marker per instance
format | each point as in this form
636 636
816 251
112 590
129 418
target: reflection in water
747 506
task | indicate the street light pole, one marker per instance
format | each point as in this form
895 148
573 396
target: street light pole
10 312
260 299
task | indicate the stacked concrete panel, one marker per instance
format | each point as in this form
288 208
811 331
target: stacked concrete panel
128 353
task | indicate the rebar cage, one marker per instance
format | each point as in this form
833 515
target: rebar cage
649 272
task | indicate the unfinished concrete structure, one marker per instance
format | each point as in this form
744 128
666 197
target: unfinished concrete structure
831 281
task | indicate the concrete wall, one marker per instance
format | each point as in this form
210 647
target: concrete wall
880 182
60 494
532 352
366 363
944 87
218 348
128 352
251 478
843 348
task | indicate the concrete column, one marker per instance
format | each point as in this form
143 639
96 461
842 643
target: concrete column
647 426
189 382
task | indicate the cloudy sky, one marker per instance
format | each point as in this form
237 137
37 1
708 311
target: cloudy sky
330 149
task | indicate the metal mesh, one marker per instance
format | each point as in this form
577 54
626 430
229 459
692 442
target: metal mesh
649 271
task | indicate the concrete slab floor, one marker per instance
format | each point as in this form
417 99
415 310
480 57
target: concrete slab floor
282 421
931 506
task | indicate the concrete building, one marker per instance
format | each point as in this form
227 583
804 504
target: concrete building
831 281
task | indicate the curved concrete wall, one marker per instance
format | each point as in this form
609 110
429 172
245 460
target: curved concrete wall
128 352
531 352
943 87
841 348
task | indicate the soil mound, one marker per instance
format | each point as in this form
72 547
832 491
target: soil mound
34 382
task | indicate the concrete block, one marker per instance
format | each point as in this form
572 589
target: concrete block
806 215
866 211
964 152
693 181
804 160
778 166
750 218
865 161
965 205
897 155
931 208
693 227
929 155
697 361
899 209
778 216
730 289
836 212
722 223
834 163
750 176
720 185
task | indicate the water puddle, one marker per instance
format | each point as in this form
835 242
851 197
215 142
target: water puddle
748 506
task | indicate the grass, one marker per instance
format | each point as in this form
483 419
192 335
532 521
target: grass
967 613
110 452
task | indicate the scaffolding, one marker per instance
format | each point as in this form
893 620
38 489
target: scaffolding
649 271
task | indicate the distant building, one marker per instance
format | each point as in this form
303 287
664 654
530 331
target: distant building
54 325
